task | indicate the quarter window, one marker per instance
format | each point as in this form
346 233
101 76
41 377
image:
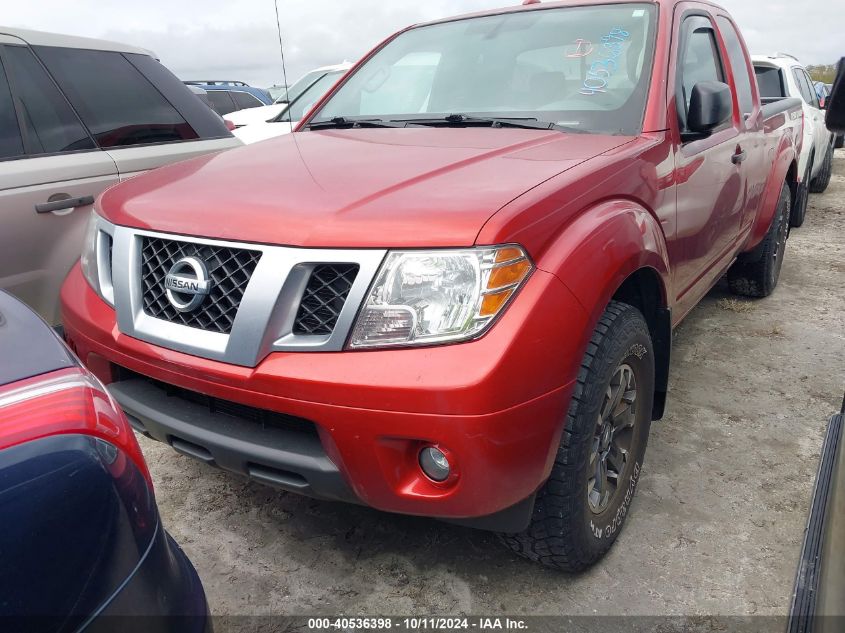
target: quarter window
49 124
117 103
739 64
11 143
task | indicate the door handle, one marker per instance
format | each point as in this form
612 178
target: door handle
739 157
67 203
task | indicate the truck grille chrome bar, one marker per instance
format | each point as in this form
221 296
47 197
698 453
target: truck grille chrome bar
256 299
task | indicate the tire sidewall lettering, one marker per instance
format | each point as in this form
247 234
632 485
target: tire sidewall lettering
609 529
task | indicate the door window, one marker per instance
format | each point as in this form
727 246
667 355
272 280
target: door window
739 64
700 62
803 85
222 102
814 95
117 103
49 124
244 100
11 143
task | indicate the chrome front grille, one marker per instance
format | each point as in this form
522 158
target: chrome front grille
230 270
324 298
286 299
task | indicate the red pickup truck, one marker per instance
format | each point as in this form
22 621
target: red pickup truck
451 292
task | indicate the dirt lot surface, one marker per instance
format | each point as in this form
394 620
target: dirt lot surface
716 527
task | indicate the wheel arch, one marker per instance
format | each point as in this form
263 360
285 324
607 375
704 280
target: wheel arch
784 171
617 251
644 290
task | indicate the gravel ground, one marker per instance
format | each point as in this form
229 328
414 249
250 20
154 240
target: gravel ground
716 527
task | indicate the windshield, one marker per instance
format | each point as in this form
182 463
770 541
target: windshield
585 68
306 100
302 85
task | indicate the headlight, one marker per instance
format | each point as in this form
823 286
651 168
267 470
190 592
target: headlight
431 297
96 258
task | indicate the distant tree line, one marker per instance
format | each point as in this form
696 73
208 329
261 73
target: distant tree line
825 74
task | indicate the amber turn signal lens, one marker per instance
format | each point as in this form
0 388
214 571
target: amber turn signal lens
508 253
492 303
508 274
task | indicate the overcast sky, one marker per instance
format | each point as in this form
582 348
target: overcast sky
237 39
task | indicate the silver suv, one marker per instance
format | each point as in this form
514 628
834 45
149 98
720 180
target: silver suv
77 115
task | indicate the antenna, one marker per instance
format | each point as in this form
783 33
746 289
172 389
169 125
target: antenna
284 68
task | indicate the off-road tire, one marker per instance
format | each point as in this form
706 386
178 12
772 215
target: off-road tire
565 532
819 183
799 209
759 278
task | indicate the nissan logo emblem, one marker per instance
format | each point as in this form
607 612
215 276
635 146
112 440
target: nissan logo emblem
187 284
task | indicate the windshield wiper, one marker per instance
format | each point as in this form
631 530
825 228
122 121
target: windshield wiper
340 122
529 123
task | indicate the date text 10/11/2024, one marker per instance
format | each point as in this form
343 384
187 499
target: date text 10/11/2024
417 624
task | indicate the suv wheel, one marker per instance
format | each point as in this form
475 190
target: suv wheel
581 509
760 278
819 183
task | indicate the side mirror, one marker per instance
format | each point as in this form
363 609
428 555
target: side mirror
836 102
711 104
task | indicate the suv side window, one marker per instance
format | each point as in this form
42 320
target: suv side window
222 101
11 143
770 82
117 103
244 100
739 64
49 124
803 86
699 61
197 112
814 96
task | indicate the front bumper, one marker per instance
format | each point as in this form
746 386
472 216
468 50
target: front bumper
497 404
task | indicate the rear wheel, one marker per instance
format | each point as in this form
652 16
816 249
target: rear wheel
760 278
581 509
840 141
819 183
799 209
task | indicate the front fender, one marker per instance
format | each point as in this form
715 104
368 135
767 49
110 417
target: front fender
787 158
596 253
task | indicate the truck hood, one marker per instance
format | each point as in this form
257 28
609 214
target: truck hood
364 188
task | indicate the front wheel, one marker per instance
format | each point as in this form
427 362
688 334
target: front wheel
581 509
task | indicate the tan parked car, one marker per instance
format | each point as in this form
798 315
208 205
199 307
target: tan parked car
77 115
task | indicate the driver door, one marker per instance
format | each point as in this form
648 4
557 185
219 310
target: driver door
710 173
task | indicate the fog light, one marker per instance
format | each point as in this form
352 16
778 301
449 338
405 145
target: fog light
434 464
